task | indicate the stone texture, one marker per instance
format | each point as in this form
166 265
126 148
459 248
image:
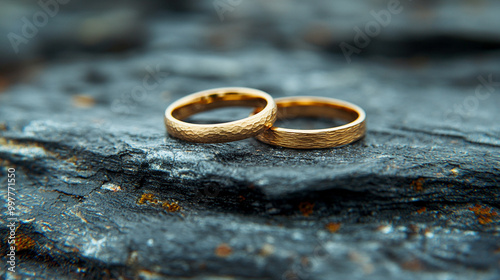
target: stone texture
104 193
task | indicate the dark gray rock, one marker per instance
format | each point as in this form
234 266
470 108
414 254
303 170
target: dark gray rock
99 181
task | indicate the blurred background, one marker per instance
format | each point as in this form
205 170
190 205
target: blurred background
100 51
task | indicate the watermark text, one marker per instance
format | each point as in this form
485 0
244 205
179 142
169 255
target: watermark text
12 219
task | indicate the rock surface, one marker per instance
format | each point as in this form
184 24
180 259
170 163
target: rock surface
103 193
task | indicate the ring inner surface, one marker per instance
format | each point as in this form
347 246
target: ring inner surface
218 100
290 110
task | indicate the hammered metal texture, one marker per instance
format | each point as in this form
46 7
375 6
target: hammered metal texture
317 138
326 139
223 132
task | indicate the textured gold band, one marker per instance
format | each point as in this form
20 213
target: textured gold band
220 132
304 106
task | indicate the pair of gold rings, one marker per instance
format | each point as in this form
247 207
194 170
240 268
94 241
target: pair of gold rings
260 123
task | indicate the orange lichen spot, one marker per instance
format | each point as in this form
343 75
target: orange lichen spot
417 185
484 214
83 101
147 197
72 159
223 250
413 265
333 227
171 207
422 210
241 198
151 199
454 171
306 208
4 84
266 250
24 242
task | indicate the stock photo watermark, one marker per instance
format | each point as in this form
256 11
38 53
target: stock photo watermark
363 37
31 27
11 220
470 104
128 101
224 6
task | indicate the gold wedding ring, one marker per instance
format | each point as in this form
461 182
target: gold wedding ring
291 107
220 132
